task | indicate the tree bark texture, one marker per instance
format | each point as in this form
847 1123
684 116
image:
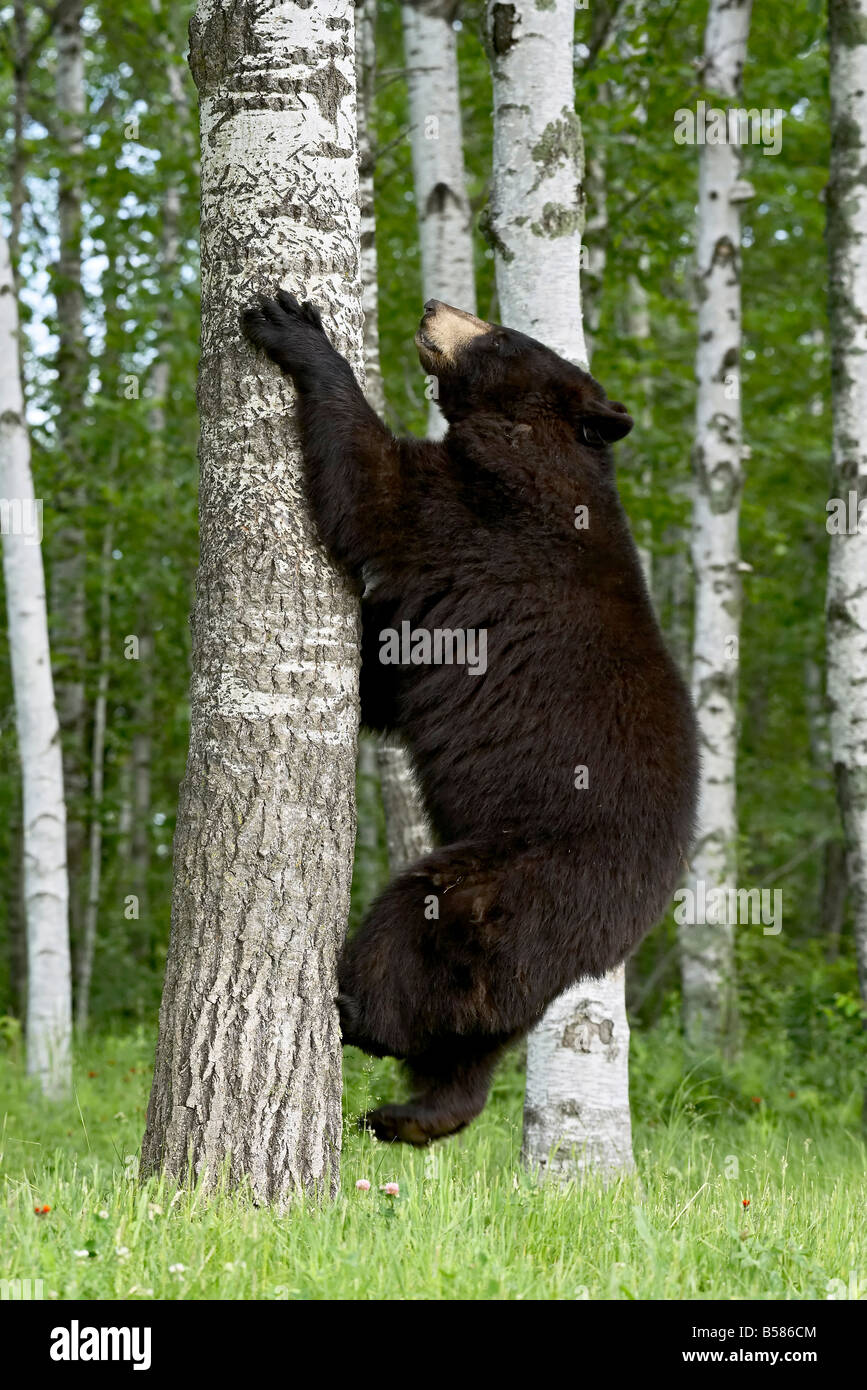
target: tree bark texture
248 1059
46 887
576 1106
707 952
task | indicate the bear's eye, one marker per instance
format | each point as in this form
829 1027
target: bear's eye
591 436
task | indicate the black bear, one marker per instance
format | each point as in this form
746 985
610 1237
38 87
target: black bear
559 765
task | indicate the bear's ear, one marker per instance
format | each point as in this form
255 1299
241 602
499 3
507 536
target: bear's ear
603 422
504 343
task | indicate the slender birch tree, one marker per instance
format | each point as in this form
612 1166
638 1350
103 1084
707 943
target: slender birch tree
69 552
847 574
407 831
87 945
576 1108
439 178
248 1058
46 889
170 240
707 951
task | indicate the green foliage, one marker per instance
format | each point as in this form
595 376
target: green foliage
801 1025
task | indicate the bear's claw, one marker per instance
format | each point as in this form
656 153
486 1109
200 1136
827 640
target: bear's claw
283 326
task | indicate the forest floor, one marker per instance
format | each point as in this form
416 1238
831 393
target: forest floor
737 1195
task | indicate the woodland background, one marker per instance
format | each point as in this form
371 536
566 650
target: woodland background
126 507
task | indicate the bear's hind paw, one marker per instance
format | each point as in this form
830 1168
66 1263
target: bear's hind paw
395 1124
409 1124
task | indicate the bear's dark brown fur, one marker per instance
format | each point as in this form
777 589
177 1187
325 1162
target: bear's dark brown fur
544 873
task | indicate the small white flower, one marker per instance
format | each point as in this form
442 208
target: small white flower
103 1215
176 1269
122 1252
81 1254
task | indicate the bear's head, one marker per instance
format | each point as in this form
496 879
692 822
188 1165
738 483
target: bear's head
481 368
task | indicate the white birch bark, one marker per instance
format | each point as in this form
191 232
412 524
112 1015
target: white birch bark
847 574
248 1058
365 78
576 1106
707 952
536 213
46 889
439 179
407 831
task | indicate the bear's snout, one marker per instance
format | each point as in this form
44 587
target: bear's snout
445 330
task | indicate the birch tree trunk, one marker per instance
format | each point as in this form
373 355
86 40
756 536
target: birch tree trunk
365 78
68 603
707 952
248 1058
46 889
143 739
87 945
444 217
407 831
576 1107
847 573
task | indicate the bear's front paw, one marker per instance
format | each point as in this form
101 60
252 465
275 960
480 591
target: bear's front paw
291 332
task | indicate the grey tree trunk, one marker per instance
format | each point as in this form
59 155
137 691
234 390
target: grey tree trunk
143 739
46 888
847 571
87 945
68 605
407 831
142 755
707 952
248 1058
576 1107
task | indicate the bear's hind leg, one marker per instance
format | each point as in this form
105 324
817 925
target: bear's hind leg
450 1091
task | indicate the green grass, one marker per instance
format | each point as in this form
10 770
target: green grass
468 1223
